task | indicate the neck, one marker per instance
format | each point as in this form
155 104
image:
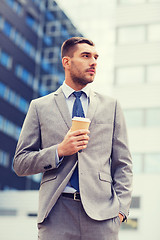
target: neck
76 87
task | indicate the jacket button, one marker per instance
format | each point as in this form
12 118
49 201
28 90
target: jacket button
48 167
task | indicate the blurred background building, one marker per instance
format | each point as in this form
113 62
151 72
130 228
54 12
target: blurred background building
137 85
127 35
31 34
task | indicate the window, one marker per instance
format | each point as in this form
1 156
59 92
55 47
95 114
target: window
38 57
5 60
47 40
64 32
142 117
52 54
135 203
137 75
131 35
23 105
34 25
15 5
18 39
9 128
2 89
50 82
13 98
24 75
153 74
153 117
50 16
7 28
138 34
1 122
154 33
152 163
137 163
134 117
153 1
1 23
131 1
4 158
40 4
53 29
130 75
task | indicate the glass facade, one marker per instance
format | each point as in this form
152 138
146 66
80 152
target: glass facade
130 75
133 75
13 98
146 72
138 34
9 128
148 117
18 39
30 65
131 35
4 159
24 75
133 2
147 163
15 5
5 59
153 73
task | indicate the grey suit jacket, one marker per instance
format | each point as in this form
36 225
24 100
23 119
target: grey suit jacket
105 166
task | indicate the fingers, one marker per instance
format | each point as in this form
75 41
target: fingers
79 132
73 142
78 140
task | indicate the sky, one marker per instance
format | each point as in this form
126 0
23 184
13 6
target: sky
95 20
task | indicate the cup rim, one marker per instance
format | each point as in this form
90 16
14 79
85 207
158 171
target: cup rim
81 119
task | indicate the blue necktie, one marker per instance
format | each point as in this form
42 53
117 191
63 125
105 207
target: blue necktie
77 112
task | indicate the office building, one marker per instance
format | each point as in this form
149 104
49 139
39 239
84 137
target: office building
137 86
31 33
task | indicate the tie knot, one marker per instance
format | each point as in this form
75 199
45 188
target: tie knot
77 94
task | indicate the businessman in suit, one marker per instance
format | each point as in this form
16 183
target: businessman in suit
86 187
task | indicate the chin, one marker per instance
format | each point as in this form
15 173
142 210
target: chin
90 80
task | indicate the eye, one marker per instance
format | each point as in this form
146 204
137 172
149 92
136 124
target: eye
86 55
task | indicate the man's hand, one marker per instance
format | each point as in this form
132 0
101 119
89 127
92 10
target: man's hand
73 142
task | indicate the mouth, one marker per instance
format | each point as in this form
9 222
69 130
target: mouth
91 71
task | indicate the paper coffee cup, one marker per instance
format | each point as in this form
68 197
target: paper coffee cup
80 123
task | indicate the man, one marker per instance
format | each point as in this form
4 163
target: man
95 207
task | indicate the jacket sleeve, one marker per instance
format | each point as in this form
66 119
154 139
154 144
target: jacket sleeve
121 166
29 157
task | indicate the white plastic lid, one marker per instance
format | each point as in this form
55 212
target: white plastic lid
81 119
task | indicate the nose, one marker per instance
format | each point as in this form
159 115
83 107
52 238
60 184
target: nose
93 62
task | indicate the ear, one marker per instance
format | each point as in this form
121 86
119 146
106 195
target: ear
66 62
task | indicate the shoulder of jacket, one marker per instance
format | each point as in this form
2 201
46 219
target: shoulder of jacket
103 97
44 99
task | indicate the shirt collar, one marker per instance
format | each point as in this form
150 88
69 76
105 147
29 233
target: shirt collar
68 90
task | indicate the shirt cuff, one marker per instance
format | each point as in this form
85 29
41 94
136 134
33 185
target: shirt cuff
124 216
57 159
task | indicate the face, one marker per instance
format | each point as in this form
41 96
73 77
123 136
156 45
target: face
83 65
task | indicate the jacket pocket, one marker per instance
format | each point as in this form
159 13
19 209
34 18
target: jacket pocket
105 177
48 176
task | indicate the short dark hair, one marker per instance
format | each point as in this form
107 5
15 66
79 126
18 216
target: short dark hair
67 48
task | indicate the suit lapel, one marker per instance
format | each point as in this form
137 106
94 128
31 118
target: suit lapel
63 108
92 105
